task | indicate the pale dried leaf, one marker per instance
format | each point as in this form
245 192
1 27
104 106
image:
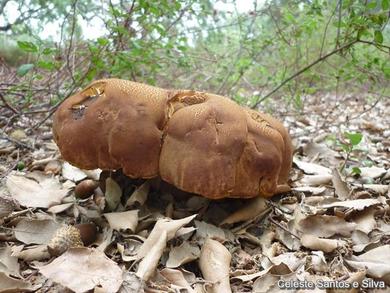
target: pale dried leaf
316 180
356 204
379 188
7 205
290 259
82 269
318 262
8 263
205 230
35 231
176 278
93 174
253 208
30 193
182 254
131 283
149 263
341 187
8 285
214 263
311 168
123 220
365 221
169 226
372 172
325 226
316 243
38 253
376 261
113 194
72 173
60 208
140 195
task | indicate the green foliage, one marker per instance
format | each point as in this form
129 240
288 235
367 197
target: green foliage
24 69
297 47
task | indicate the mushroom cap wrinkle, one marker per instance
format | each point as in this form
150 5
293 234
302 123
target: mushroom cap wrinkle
199 142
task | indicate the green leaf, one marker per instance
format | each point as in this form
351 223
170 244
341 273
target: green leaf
378 37
46 65
372 4
386 70
356 171
102 41
24 69
354 138
385 4
48 51
27 46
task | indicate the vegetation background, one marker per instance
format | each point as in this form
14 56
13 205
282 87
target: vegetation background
251 51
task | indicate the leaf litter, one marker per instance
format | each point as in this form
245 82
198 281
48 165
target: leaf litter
333 225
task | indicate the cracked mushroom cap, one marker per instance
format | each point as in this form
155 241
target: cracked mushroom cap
199 142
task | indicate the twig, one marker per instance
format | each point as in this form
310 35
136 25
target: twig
299 72
71 41
374 44
283 228
8 105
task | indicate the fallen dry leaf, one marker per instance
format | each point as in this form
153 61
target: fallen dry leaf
316 180
379 188
176 278
30 193
7 205
72 173
31 231
149 263
214 262
311 168
252 209
376 261
325 226
356 204
316 243
365 220
139 195
341 187
8 285
167 225
131 283
39 252
113 194
372 172
8 263
123 220
205 230
83 269
182 254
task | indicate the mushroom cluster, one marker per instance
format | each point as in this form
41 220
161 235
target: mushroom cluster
199 142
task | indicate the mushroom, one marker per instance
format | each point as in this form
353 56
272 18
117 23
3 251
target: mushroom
199 142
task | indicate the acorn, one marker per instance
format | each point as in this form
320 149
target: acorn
64 238
85 188
88 233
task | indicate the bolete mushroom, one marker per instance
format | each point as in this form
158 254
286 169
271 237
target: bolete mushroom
199 142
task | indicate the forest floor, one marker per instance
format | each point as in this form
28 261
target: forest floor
333 226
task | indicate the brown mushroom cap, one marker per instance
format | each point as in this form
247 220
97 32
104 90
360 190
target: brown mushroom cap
199 142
